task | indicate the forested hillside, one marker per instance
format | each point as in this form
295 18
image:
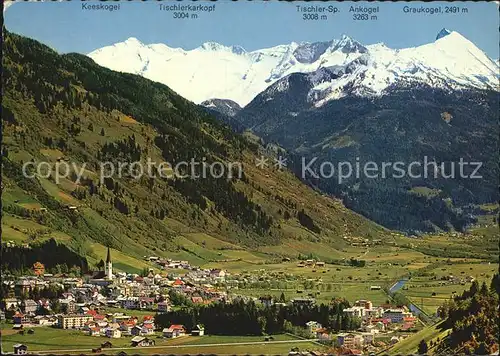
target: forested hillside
65 108
473 319
431 129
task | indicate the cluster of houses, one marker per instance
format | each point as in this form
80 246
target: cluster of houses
111 325
82 302
364 310
360 241
124 290
375 321
87 304
458 280
117 325
311 263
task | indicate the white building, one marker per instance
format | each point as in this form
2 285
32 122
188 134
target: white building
357 312
368 337
73 321
373 313
312 326
396 315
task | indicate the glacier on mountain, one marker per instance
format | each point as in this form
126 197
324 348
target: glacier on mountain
229 72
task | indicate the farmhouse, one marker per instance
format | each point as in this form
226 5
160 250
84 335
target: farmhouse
178 283
135 330
322 334
126 327
29 306
106 344
146 302
197 300
147 329
20 318
68 305
141 341
174 331
20 349
198 330
94 331
312 326
217 273
163 307
303 301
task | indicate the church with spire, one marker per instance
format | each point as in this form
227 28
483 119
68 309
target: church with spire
108 267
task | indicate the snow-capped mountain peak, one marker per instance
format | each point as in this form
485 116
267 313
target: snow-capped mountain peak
132 40
214 70
212 46
347 45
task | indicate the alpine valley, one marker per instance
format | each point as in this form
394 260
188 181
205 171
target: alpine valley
263 261
342 101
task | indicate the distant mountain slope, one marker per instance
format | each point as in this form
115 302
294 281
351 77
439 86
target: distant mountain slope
224 106
67 108
216 71
406 124
224 110
432 105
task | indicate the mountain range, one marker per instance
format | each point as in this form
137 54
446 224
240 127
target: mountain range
340 67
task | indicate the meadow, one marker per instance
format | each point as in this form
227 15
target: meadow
47 339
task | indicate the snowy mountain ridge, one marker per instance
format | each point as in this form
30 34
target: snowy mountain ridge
229 72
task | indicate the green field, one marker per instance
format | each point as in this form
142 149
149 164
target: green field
430 290
222 339
47 338
253 349
351 292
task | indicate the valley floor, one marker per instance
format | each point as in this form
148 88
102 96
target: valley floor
48 340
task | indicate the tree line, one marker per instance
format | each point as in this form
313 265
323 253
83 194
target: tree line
18 258
242 317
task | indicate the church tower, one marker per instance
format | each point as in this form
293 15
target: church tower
108 267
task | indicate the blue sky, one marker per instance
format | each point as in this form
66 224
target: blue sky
67 28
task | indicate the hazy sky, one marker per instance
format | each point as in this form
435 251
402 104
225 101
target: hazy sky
66 27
